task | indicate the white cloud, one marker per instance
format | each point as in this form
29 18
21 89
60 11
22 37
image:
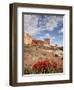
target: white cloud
31 21
30 24
61 30
52 23
47 36
60 19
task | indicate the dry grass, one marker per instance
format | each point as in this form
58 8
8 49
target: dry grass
33 54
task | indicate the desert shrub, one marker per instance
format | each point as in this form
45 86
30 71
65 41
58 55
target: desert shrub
60 69
28 69
56 55
61 48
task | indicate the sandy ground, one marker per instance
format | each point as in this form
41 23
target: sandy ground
33 54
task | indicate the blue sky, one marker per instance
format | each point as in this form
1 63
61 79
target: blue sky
44 26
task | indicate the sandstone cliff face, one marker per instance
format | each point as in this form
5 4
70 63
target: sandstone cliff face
27 39
37 42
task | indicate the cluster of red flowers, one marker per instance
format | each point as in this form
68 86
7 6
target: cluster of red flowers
44 66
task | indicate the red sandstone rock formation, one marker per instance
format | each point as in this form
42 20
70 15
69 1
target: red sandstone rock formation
29 41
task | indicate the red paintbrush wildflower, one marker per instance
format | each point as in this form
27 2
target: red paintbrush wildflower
42 66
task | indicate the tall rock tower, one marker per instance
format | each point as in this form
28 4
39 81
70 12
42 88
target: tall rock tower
27 39
46 42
